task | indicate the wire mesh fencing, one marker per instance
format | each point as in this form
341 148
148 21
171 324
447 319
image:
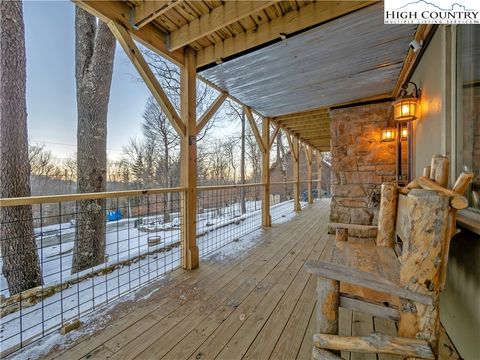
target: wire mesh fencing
226 213
65 256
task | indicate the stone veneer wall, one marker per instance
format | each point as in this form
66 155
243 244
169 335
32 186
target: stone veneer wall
360 162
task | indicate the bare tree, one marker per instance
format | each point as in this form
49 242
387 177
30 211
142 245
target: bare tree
230 145
94 53
239 113
21 266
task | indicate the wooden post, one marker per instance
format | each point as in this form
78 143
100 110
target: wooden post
341 234
328 300
296 173
439 170
309 155
387 215
421 263
426 171
460 186
266 219
188 163
319 174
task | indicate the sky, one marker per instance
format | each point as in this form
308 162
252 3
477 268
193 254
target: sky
51 97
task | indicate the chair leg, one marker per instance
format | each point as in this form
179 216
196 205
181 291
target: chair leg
327 306
328 299
321 354
420 321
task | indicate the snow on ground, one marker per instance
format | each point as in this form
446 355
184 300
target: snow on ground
218 229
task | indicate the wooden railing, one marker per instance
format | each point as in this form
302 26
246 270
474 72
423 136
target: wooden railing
143 235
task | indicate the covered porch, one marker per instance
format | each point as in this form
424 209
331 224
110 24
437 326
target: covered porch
256 304
323 73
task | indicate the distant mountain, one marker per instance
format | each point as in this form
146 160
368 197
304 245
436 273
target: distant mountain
422 5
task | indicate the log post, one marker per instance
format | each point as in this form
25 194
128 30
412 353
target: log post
296 173
460 187
387 215
421 259
266 218
457 201
439 170
188 163
426 171
341 234
309 155
328 300
319 174
462 183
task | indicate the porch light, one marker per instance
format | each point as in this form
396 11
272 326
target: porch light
404 133
388 135
405 108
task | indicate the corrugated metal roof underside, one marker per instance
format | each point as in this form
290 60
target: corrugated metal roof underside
353 57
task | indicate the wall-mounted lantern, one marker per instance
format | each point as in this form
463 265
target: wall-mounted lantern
405 111
404 132
406 107
388 135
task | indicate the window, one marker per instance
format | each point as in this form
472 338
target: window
468 108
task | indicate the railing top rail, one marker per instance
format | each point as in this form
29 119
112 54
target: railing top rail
283 182
221 187
45 199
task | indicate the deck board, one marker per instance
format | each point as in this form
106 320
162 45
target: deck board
256 305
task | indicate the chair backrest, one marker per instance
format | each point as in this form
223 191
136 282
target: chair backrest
423 226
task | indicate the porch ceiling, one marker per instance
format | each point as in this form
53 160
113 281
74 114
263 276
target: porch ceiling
333 52
350 58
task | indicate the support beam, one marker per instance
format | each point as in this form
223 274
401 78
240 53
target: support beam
303 18
218 18
273 137
119 11
149 10
319 173
309 155
212 110
132 51
253 126
266 218
188 163
295 150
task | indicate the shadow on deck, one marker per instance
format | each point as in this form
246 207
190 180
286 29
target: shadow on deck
257 304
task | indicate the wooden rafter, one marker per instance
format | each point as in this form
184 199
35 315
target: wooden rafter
205 118
304 114
308 153
305 17
274 136
254 128
119 11
126 41
304 120
218 18
149 10
291 144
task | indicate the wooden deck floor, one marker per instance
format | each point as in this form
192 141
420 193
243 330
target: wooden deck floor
256 305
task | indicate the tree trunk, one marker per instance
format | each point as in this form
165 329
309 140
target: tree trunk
242 165
21 266
94 53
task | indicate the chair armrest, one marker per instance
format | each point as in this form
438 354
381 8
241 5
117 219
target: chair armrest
369 280
353 226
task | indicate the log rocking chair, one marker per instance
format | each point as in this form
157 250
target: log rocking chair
400 276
